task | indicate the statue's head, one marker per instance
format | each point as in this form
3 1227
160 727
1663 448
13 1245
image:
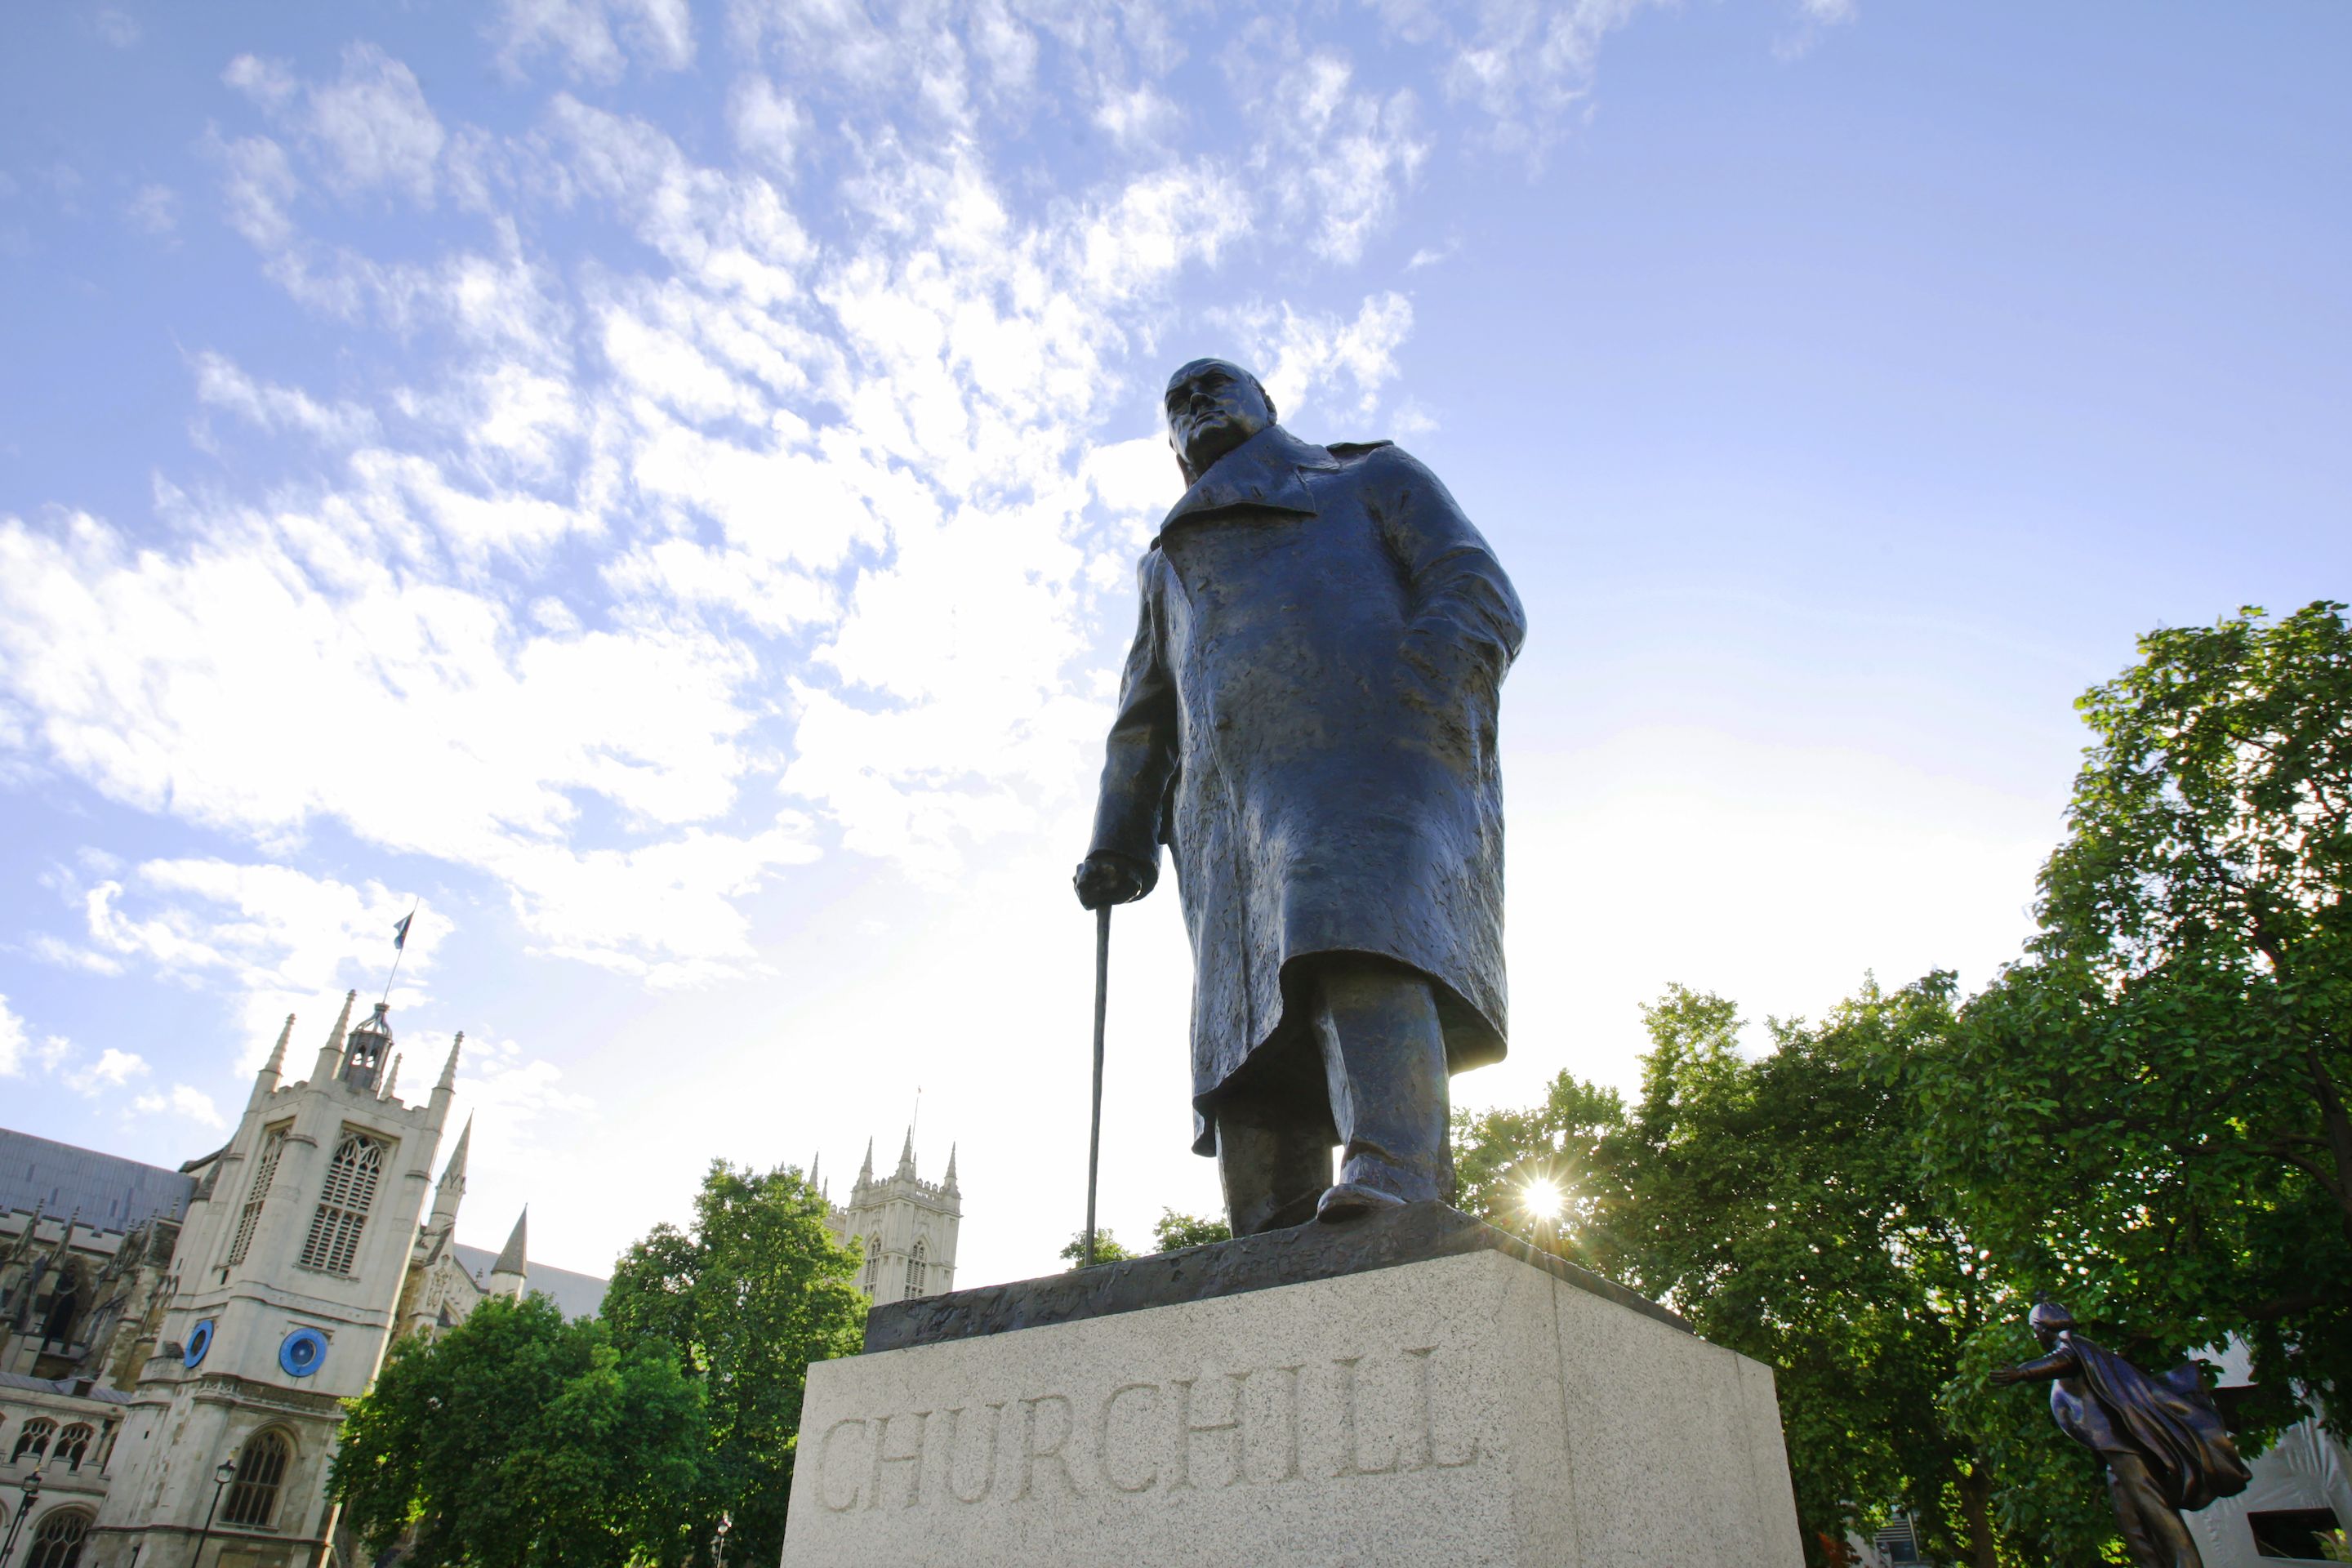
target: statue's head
2048 1320
1213 406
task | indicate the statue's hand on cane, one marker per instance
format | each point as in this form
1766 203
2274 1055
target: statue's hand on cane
1104 878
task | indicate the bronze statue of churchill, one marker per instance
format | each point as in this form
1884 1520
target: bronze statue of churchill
1307 721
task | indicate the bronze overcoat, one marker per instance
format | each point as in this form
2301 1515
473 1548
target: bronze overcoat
1308 721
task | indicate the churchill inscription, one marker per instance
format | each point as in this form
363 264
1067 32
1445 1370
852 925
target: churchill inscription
1215 1428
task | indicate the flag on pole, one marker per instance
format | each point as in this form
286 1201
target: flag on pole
400 933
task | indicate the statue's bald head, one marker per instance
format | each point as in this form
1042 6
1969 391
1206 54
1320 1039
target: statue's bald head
1212 407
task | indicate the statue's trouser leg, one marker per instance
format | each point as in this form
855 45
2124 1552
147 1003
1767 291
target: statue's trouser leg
1274 1164
2152 1532
1384 1066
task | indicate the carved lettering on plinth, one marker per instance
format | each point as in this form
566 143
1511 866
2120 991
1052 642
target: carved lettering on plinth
1347 1419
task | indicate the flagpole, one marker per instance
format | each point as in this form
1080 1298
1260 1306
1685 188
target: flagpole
400 950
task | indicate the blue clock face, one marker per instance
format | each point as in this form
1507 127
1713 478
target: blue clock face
200 1340
302 1352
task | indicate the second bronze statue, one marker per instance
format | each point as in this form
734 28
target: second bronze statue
1308 721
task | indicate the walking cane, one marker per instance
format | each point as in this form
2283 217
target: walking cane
1094 1133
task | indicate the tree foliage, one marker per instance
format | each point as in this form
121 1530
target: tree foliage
1106 1248
1173 1230
751 1294
1780 1203
2149 1113
518 1440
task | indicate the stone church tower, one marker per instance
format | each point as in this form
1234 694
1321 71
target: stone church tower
291 1266
905 1225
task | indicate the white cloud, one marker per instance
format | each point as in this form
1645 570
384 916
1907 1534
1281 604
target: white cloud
192 1104
589 35
13 1041
113 1069
153 210
270 84
1300 356
116 28
374 129
652 574
1526 64
769 126
1337 158
221 384
260 185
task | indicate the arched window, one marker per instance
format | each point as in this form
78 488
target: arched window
915 1270
333 1244
261 1467
873 1246
56 1539
72 1444
33 1440
265 1170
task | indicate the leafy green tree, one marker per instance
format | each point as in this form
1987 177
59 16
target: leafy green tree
1107 1250
2148 1115
1175 1230
1778 1203
1549 1171
751 1293
518 1440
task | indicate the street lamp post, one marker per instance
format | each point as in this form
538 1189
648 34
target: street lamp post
719 1545
32 1488
223 1473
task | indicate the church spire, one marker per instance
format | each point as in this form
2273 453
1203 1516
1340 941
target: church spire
330 1054
391 1080
865 1172
452 1188
266 1082
949 1185
509 1273
905 1170
446 1087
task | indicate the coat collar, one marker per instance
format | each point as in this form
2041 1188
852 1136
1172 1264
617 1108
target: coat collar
1262 472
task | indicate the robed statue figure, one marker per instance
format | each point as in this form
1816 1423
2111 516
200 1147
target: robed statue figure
2161 1438
1307 721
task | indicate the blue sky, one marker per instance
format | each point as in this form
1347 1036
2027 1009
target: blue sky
659 484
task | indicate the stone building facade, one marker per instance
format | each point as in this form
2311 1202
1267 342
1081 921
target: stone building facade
166 1321
155 1323
904 1226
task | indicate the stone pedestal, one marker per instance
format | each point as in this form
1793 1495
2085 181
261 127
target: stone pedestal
1412 1389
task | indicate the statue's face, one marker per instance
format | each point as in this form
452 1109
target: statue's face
1213 408
2048 1334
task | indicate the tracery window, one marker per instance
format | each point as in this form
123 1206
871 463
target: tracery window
333 1244
72 1444
915 1270
33 1440
873 1246
265 1170
260 1467
56 1539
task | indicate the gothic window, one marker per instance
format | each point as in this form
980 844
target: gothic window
265 1169
915 1270
57 1540
33 1440
873 1246
72 1444
333 1244
261 1467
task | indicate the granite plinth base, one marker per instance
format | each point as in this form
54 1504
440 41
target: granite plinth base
1475 1406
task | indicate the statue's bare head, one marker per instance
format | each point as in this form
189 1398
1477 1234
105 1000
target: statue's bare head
1213 406
2049 1318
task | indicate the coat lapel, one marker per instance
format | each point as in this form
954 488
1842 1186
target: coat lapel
1263 471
